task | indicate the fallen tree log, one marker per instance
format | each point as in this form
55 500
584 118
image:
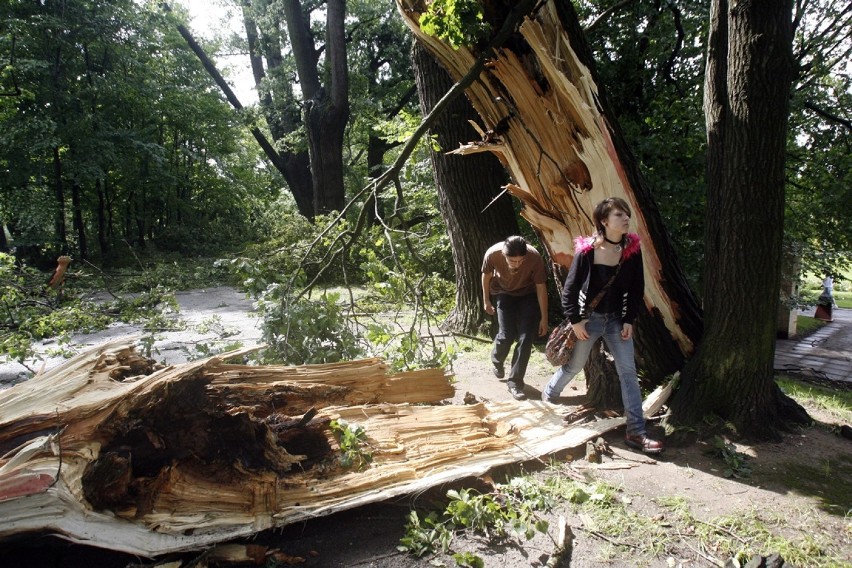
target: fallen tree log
109 451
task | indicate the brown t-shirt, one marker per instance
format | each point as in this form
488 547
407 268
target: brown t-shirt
518 283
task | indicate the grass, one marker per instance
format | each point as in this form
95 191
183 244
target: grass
835 402
843 299
646 538
755 532
806 325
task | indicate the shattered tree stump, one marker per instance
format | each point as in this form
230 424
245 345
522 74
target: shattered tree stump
109 451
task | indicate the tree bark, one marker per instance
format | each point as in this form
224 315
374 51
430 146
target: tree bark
79 225
747 90
325 106
469 192
552 128
103 243
603 388
59 194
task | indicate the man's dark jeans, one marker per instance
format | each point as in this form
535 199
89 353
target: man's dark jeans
517 317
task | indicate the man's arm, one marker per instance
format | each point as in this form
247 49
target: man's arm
486 293
541 292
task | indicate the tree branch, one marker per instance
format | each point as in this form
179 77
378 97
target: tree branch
590 29
670 62
510 24
828 116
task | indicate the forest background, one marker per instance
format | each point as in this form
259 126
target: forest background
119 149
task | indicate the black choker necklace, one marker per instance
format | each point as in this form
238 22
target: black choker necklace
614 242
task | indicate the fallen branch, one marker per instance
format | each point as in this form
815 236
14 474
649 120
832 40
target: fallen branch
607 539
564 546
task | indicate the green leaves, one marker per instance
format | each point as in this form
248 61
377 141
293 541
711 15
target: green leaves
113 100
458 22
299 331
425 536
352 439
508 512
736 462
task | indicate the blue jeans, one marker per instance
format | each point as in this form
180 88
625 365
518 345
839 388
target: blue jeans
518 318
609 327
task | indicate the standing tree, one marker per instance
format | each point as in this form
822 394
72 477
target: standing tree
324 86
110 129
746 102
469 194
549 124
565 152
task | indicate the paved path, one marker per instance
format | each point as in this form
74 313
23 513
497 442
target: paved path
825 354
214 317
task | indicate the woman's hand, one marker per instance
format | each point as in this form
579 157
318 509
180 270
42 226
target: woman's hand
580 330
627 331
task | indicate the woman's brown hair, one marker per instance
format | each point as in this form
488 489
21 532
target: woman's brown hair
602 211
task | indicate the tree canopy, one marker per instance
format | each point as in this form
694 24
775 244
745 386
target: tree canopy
109 122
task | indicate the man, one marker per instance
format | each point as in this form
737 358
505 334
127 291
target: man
513 273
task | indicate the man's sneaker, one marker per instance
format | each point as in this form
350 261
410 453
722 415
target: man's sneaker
498 371
550 399
517 393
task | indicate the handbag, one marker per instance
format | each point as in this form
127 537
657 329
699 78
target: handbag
560 343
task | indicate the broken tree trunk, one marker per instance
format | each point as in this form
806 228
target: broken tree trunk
108 451
546 118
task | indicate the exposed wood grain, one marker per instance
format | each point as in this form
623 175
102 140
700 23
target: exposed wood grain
204 452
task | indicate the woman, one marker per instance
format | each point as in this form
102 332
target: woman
825 302
596 260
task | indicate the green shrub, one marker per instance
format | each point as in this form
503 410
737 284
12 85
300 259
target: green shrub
30 311
299 331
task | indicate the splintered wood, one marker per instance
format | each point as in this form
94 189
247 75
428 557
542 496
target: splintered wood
110 451
560 147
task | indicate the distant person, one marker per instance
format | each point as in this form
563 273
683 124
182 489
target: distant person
613 257
513 275
825 302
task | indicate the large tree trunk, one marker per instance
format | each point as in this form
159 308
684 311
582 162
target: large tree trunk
104 451
553 131
746 98
325 107
469 192
280 118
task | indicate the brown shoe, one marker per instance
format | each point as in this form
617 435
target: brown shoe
644 443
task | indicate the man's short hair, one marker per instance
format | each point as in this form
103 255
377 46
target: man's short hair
515 246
